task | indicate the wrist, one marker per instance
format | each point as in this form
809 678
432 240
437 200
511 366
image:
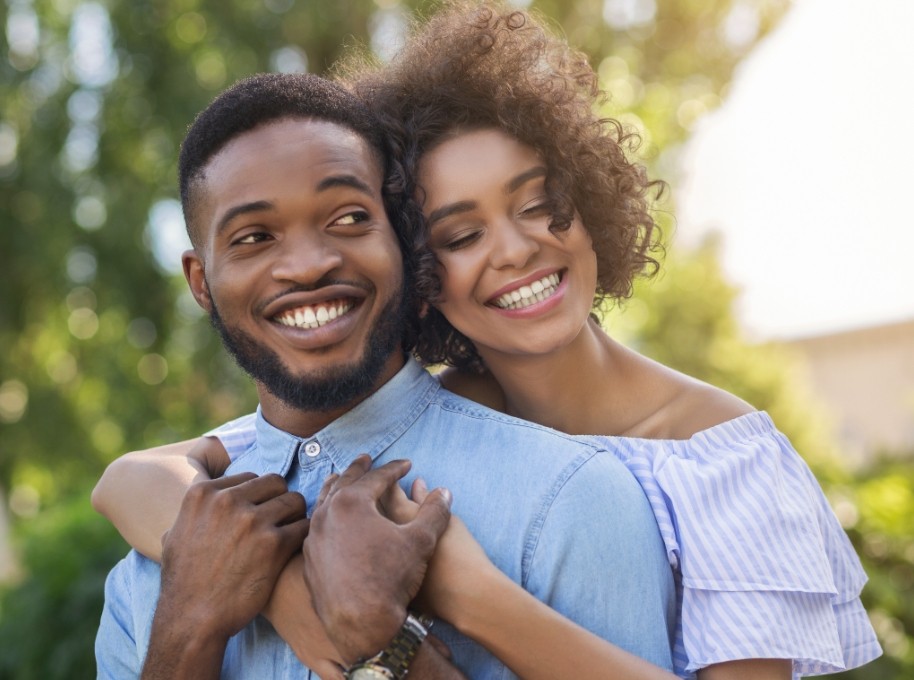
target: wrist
394 661
469 610
363 634
177 650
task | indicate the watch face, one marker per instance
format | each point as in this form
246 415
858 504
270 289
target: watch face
370 673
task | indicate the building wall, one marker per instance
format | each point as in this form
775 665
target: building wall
866 378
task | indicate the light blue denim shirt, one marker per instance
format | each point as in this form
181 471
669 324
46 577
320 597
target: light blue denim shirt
560 516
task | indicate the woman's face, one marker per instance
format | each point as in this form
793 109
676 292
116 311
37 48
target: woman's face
508 283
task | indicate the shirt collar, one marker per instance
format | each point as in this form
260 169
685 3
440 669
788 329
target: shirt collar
369 428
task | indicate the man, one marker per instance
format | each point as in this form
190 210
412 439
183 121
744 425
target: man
296 262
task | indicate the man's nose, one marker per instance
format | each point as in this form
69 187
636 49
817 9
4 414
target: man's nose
512 245
305 257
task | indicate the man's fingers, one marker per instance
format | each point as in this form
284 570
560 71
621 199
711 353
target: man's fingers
293 535
284 508
229 480
375 481
356 469
261 489
245 485
326 488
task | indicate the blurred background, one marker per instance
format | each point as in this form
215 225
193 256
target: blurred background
783 129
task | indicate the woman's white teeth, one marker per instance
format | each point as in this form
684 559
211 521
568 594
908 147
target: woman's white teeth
528 295
313 317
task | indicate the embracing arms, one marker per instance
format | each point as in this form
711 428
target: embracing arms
462 587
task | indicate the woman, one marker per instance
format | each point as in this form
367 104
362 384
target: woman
534 215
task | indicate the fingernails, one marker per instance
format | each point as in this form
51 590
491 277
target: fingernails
421 485
446 494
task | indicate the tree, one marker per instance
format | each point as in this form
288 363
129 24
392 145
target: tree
104 351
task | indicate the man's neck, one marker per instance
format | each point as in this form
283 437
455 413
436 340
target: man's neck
304 423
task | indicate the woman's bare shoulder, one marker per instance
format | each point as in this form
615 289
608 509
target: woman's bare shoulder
699 406
677 406
482 389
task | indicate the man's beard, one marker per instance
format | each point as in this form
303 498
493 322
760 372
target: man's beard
327 389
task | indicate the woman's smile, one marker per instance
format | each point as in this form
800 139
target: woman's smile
501 265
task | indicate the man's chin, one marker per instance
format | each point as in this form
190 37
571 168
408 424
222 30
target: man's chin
327 388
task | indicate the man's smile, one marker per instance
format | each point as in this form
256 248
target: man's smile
315 316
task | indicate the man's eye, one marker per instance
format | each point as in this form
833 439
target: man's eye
352 218
256 237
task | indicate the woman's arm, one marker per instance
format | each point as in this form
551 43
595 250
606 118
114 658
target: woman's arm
464 588
749 669
141 492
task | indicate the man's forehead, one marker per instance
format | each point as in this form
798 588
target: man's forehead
313 142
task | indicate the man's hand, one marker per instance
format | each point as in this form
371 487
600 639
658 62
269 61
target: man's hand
363 569
220 561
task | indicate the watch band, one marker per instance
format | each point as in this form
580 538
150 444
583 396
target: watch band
393 661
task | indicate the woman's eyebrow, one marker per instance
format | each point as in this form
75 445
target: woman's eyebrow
450 209
524 177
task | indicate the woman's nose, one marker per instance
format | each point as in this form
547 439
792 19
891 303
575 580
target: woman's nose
512 245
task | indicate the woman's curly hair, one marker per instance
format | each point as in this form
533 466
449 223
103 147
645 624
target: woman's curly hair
473 66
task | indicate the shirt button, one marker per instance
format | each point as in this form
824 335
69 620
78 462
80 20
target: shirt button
312 449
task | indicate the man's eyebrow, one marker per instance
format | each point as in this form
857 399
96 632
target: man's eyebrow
524 177
345 181
243 209
448 210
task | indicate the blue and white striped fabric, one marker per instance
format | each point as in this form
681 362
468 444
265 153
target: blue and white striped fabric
763 568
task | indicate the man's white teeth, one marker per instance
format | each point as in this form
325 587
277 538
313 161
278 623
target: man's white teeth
528 295
313 317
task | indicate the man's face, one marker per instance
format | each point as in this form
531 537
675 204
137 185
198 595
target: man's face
298 265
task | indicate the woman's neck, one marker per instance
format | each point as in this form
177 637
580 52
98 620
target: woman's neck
579 388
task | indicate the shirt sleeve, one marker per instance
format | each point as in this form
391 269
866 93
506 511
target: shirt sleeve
116 653
237 436
766 569
599 560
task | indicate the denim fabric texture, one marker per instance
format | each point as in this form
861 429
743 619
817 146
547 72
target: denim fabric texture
560 516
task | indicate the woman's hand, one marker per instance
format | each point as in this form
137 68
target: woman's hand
457 566
290 611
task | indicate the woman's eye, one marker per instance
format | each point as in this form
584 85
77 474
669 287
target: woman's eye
537 209
462 240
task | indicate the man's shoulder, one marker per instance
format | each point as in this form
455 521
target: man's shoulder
135 571
465 412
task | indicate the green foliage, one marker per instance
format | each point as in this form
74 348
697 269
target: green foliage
48 622
877 510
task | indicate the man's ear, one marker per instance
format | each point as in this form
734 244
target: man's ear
195 273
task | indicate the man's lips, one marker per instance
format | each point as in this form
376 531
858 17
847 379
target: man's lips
314 308
316 315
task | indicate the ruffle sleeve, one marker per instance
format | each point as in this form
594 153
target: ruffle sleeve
237 436
764 569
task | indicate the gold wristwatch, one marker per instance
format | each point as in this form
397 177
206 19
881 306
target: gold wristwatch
392 662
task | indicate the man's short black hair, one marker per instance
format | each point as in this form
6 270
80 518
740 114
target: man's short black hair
261 99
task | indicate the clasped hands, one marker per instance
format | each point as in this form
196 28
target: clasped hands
238 549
